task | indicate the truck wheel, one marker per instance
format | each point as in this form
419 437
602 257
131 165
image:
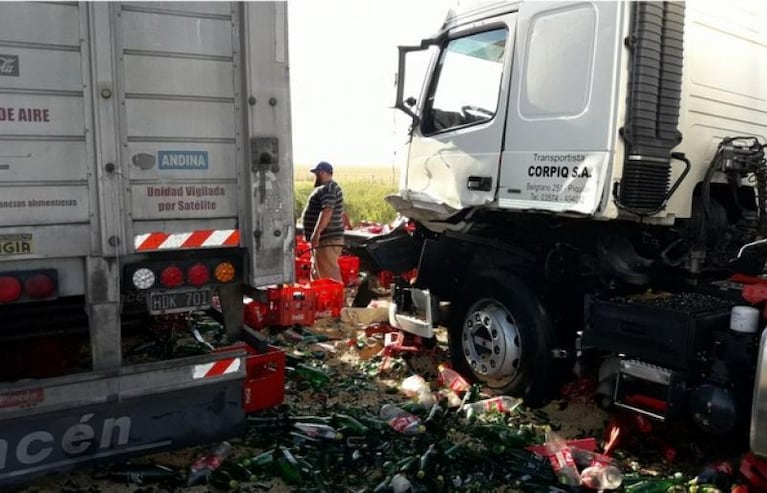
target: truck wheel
501 335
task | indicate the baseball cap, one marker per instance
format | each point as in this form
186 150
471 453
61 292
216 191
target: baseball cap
322 166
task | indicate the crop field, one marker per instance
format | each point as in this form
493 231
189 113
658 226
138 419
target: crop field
364 191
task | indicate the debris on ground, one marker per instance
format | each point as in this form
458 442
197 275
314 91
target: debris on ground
358 416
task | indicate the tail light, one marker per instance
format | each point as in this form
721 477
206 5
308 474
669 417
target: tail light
163 274
224 272
171 277
197 275
143 278
10 289
39 286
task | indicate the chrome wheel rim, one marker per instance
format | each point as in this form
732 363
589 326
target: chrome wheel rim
490 342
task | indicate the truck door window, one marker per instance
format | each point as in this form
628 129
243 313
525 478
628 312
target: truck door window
466 83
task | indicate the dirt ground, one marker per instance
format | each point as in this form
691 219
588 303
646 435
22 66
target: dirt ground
359 385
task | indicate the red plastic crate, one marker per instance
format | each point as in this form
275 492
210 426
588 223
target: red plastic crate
385 277
303 270
265 377
256 315
350 268
290 305
755 471
328 297
303 248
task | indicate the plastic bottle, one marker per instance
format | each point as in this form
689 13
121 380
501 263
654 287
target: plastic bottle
204 466
416 386
452 379
451 397
316 430
401 420
599 477
502 403
584 458
561 458
400 484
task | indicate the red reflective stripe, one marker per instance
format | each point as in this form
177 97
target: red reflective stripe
197 238
219 368
153 241
234 239
205 238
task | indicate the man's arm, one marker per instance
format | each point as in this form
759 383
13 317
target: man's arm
322 222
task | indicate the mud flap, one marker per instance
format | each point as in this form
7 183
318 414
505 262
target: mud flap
58 441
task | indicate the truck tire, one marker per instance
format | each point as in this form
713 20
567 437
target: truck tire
501 336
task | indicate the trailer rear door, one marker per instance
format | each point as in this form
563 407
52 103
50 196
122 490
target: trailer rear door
45 134
184 78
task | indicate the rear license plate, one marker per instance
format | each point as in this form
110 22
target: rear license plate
185 300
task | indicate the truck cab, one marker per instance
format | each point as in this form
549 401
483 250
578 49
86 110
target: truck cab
564 154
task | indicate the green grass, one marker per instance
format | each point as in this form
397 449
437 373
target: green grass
364 194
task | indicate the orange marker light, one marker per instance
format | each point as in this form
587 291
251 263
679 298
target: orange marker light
224 272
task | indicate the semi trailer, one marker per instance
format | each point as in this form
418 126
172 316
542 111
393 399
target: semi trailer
145 172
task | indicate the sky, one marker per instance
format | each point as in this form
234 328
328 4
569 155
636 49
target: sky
343 62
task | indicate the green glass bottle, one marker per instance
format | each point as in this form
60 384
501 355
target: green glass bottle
652 486
236 471
315 376
289 471
262 461
350 424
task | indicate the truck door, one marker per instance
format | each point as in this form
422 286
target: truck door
456 146
561 126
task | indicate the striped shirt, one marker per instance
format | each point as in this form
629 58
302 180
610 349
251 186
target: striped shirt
327 195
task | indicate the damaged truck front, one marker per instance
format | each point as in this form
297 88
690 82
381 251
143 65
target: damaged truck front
145 172
586 178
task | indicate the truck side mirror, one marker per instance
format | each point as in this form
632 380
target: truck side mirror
408 105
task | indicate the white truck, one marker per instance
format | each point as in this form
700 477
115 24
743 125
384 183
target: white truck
566 157
145 170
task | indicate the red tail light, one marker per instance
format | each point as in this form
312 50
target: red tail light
10 289
172 277
39 286
197 275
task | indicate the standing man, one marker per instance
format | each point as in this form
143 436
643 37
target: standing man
323 223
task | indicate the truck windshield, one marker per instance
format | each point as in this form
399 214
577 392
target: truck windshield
466 82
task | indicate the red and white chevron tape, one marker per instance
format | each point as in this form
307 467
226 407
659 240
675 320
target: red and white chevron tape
208 238
216 369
